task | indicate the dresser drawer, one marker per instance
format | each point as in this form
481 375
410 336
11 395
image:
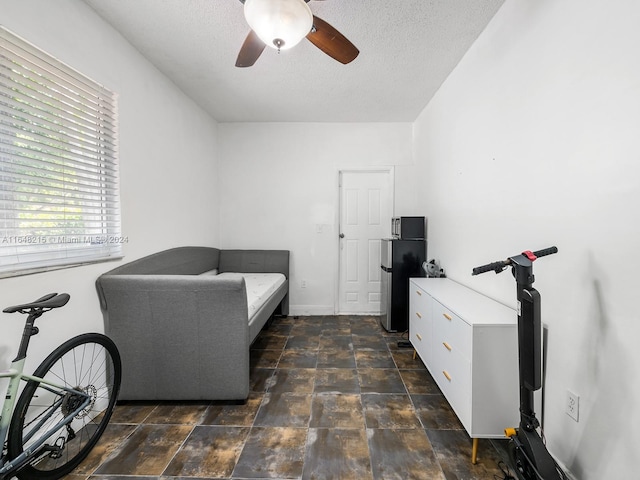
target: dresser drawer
451 331
452 372
420 322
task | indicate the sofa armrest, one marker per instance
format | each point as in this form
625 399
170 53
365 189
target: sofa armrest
178 333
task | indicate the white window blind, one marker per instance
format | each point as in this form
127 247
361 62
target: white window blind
59 198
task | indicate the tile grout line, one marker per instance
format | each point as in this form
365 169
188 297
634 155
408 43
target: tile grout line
184 441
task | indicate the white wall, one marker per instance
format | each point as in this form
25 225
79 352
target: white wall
533 141
168 164
281 186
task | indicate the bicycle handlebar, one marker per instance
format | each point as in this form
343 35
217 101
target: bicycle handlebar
501 265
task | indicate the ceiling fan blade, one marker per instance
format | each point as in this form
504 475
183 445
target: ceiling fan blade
332 42
251 50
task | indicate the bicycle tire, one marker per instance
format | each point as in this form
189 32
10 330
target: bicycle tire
90 362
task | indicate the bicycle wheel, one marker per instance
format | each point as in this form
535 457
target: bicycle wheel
89 363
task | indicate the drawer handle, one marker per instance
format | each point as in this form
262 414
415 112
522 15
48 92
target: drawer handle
446 374
418 315
447 316
447 346
419 336
419 292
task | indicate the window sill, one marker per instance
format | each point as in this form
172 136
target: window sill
50 268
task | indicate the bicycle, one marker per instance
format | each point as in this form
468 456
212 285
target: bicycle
64 407
527 450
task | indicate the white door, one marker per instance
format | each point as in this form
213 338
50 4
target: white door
366 199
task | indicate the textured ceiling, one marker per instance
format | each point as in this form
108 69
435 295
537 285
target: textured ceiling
407 49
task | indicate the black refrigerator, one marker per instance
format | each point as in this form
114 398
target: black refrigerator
401 259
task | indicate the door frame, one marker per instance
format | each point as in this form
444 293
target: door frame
390 171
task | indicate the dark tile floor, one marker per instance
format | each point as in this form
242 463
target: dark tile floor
331 398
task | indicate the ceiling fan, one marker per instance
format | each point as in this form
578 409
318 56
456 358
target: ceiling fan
282 24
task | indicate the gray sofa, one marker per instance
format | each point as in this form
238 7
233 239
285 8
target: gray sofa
183 333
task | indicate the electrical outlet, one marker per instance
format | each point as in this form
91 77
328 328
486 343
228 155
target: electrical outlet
573 405
303 284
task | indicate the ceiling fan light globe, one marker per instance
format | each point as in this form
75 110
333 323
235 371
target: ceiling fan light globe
280 24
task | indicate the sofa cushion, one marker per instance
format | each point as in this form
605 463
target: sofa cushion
259 287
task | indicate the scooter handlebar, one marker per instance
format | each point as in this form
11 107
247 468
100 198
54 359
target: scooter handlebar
499 266
495 266
546 251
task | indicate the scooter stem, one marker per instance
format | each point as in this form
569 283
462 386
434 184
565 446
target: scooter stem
530 364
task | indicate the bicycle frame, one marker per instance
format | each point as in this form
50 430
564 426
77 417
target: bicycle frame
15 375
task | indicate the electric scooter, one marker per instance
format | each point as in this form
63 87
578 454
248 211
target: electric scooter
527 450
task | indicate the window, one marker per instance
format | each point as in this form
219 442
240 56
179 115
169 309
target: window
59 199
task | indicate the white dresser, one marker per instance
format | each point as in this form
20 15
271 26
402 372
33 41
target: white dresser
469 343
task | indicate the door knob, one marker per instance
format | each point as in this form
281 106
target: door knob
342 235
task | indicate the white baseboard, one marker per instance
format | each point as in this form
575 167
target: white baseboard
310 310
